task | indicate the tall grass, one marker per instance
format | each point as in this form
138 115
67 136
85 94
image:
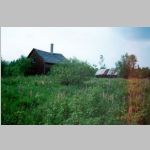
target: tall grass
73 96
40 100
138 100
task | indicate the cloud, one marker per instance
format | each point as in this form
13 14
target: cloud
134 33
85 43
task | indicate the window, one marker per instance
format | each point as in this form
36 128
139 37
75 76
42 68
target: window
33 60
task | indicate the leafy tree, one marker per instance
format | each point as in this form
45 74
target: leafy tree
4 67
144 72
72 71
22 65
126 65
101 61
16 67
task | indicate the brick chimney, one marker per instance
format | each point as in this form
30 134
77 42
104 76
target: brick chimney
52 47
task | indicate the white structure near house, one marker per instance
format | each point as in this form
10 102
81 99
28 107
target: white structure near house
112 72
106 73
101 72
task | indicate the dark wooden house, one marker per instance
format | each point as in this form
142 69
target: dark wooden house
42 61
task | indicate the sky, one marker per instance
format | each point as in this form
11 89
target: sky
84 43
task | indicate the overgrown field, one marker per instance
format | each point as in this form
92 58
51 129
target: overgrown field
43 100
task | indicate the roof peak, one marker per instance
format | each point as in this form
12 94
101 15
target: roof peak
48 56
46 51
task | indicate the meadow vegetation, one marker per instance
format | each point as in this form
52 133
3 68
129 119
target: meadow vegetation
70 94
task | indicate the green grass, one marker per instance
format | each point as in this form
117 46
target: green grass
42 100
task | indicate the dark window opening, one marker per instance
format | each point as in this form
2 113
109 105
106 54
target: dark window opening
33 60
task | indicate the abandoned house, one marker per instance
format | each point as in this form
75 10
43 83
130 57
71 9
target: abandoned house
42 61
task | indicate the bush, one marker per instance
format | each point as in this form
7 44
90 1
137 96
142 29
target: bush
16 68
39 100
72 71
4 66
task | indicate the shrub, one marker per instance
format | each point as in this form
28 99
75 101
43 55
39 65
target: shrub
72 71
4 66
16 68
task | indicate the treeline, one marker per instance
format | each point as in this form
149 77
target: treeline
127 67
17 67
143 72
71 71
74 70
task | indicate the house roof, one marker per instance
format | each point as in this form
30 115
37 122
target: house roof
49 57
102 72
112 72
106 72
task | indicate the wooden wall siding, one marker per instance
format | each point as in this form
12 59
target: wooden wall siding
38 65
48 67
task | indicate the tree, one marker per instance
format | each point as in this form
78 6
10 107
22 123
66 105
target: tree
23 64
132 61
4 67
144 72
72 72
126 65
101 60
17 67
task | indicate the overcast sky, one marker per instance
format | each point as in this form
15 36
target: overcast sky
84 43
